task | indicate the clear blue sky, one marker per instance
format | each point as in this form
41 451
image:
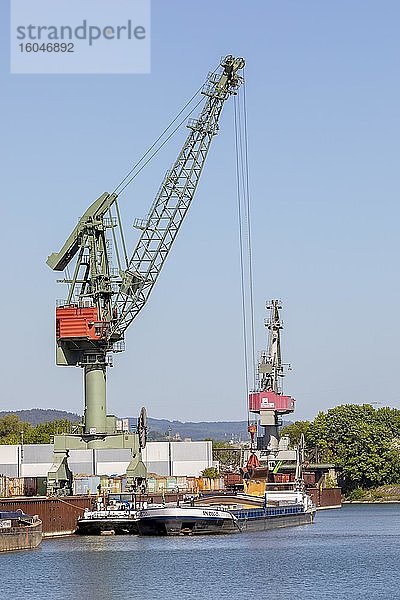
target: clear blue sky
323 95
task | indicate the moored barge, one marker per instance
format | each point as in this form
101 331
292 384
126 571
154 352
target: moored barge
230 514
19 531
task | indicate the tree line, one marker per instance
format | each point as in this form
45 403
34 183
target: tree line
15 431
362 440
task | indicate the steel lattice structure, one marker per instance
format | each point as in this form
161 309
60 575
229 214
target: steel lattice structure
174 199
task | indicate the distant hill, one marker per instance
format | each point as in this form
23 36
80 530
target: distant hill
34 416
217 430
158 428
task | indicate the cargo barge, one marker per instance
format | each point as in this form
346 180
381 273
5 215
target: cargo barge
284 506
220 515
103 522
60 516
19 531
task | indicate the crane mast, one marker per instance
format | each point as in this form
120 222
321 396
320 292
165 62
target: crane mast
268 401
270 366
107 289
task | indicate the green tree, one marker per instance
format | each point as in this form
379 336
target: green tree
12 429
15 431
294 431
210 472
217 445
361 440
42 433
364 441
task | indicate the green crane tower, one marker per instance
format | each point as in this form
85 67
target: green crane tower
108 288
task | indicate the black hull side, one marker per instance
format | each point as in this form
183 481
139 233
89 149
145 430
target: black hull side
177 526
267 523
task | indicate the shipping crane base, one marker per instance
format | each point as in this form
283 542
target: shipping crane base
81 341
59 478
105 297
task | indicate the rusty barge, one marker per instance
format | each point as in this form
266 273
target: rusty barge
19 531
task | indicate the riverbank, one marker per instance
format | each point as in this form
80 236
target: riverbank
379 495
370 502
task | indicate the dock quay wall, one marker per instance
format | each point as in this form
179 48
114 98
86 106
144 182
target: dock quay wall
326 497
58 515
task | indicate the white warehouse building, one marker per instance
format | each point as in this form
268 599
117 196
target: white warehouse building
170 459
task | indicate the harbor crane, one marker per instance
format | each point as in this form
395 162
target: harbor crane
268 401
107 288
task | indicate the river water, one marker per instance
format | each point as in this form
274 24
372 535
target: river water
352 553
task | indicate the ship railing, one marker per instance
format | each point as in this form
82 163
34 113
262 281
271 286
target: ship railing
215 507
256 513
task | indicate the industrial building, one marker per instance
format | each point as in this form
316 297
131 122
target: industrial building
162 458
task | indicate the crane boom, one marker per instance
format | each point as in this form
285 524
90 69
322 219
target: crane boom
173 199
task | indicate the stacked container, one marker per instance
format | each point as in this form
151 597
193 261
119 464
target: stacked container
15 486
85 485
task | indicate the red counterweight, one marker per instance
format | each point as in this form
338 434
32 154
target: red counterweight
271 401
75 322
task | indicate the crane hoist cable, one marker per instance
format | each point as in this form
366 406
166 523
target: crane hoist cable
245 243
241 256
132 174
249 237
119 189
